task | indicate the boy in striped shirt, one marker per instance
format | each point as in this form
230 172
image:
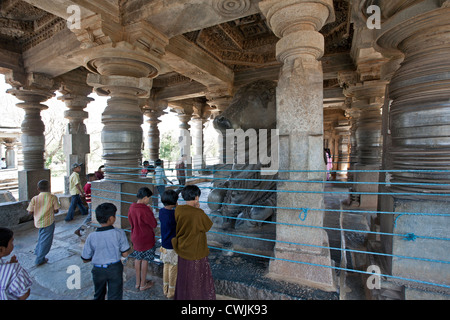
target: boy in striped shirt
43 207
15 282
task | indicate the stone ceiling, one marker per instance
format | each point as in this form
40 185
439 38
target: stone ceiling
245 45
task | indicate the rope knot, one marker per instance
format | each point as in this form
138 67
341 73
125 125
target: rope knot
410 237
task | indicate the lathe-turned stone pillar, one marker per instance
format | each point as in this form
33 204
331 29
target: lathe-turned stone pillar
185 139
154 114
343 149
219 99
39 88
367 100
198 161
125 75
123 60
300 124
419 122
75 93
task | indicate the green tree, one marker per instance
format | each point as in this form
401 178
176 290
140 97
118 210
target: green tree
169 148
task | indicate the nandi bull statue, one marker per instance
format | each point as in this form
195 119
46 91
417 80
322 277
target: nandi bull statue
246 192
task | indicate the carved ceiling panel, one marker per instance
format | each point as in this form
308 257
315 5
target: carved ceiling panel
239 44
249 43
22 25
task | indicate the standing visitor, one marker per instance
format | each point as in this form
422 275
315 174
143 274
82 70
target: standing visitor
87 191
144 169
142 223
104 248
181 171
43 208
160 177
168 231
99 174
194 280
76 192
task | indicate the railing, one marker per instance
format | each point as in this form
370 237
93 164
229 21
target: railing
341 191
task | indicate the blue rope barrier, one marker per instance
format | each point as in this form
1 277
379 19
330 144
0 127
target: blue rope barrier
307 181
303 171
405 236
334 267
313 209
332 248
301 191
303 213
409 237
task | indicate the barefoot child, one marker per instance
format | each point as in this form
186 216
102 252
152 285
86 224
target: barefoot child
142 223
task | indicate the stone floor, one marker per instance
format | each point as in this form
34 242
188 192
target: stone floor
236 276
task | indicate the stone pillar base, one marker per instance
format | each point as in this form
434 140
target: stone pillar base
306 272
434 249
28 180
197 162
367 200
76 147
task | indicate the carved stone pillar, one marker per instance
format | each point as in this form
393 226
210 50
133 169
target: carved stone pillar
300 124
343 149
219 100
76 140
37 90
126 76
153 131
10 154
185 139
367 100
198 143
419 124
